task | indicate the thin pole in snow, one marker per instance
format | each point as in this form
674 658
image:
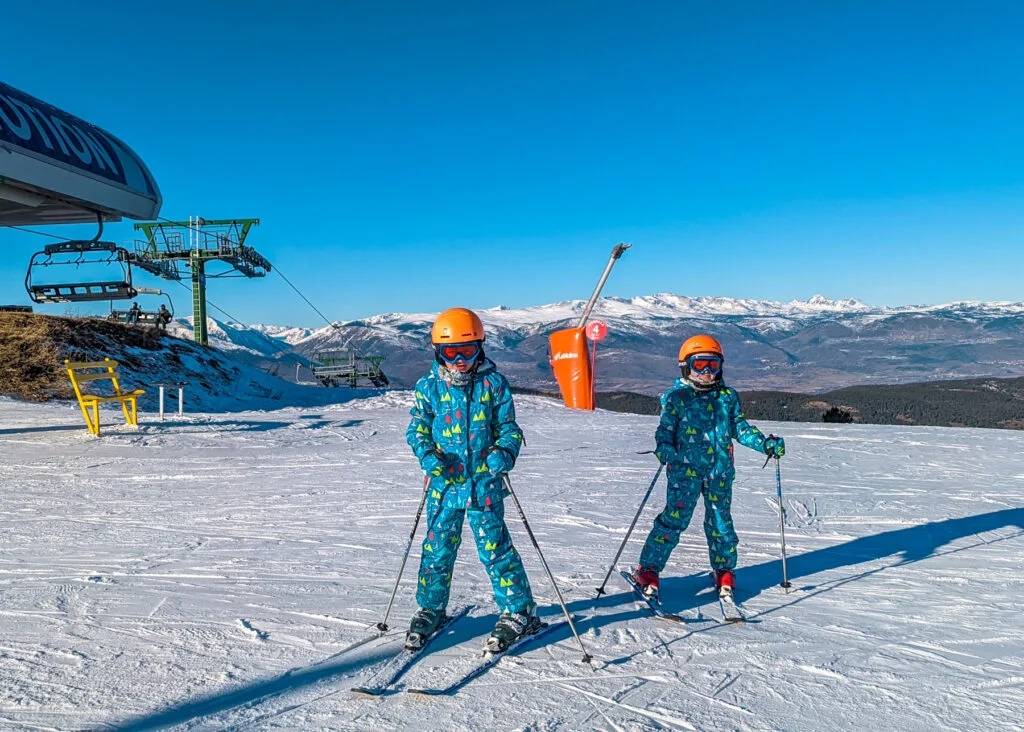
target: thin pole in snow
782 524
600 590
587 658
382 626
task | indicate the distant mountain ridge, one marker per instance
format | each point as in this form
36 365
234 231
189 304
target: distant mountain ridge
802 345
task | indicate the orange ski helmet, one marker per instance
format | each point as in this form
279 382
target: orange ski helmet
700 344
457 325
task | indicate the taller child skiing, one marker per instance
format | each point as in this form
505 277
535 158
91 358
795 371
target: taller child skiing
464 433
700 417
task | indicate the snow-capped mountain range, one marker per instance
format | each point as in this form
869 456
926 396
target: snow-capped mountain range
801 345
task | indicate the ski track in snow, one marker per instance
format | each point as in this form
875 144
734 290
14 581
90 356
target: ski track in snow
199 574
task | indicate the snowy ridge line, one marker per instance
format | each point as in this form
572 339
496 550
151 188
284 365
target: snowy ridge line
646 310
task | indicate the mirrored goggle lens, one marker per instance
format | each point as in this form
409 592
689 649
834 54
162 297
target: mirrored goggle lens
706 365
451 353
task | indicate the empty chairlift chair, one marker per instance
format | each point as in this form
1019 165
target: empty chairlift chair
71 257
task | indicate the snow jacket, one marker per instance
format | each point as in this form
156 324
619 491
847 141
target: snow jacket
694 437
454 427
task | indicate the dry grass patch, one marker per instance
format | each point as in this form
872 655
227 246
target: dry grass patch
33 348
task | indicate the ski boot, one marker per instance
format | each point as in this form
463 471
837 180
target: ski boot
424 624
648 582
725 581
510 628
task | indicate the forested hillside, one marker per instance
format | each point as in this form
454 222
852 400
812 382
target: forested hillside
996 403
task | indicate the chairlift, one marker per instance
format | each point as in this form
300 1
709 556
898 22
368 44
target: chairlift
78 253
346 368
139 316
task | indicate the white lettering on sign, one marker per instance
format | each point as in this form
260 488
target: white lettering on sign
70 136
34 116
20 128
44 129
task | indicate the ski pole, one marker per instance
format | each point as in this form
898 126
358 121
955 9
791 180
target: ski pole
600 590
382 626
587 658
781 522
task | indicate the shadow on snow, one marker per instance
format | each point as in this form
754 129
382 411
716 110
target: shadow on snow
911 544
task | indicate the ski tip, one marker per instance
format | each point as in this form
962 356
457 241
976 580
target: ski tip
367 692
425 692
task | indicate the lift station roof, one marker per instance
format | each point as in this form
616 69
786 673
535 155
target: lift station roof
58 169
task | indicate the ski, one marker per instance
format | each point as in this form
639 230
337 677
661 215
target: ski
731 611
384 679
489 661
369 638
653 605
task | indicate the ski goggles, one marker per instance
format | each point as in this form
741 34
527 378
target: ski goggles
705 364
451 353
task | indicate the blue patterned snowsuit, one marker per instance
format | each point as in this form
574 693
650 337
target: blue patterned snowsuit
694 440
463 422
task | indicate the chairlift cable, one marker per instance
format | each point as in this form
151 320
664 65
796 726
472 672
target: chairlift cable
275 268
262 335
40 233
298 292
329 322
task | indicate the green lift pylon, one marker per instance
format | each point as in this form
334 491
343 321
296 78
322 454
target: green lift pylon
166 254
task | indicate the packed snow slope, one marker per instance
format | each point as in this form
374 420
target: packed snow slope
192 573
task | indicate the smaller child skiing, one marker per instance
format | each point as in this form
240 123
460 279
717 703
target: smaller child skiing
464 433
700 417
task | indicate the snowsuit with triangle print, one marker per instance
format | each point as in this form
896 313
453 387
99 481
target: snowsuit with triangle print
694 440
463 422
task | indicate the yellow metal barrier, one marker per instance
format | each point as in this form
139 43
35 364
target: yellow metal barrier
84 371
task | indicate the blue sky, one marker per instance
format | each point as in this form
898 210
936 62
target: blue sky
411 156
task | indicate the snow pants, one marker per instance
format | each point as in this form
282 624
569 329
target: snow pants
493 543
718 527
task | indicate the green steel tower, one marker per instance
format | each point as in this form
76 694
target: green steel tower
167 254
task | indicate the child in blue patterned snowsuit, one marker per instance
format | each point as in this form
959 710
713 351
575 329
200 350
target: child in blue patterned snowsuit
464 433
700 417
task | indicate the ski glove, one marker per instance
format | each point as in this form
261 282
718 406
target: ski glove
774 446
499 461
432 463
666 455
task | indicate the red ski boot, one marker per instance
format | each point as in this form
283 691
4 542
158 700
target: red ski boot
725 581
648 581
